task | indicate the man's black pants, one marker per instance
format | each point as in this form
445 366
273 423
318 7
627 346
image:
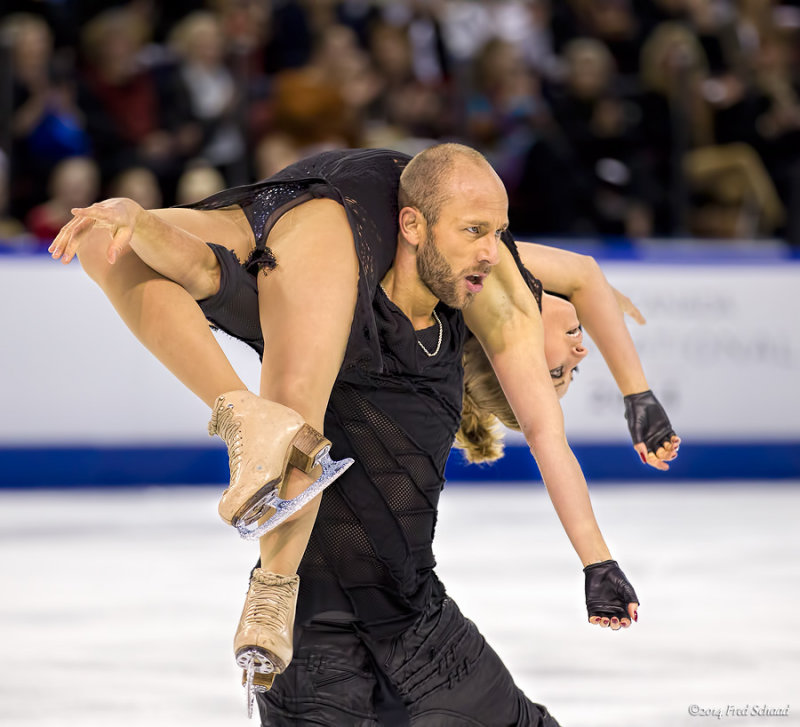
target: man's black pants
438 673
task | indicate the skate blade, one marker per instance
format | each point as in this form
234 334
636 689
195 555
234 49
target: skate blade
259 673
332 469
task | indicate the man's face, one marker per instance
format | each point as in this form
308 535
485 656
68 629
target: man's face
459 251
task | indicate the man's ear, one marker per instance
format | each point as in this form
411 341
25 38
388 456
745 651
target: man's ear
412 225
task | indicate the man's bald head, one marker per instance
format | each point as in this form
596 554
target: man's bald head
425 182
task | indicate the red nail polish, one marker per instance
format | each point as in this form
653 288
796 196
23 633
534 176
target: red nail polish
644 459
635 615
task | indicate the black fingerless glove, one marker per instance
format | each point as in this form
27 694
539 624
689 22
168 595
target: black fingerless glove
608 591
647 420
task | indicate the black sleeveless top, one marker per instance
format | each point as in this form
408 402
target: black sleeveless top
393 409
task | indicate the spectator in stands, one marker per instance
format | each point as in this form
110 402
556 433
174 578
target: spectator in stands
408 103
11 229
715 151
74 183
134 112
138 184
613 23
273 152
212 97
708 189
319 106
766 115
46 124
603 130
261 40
200 180
510 122
343 64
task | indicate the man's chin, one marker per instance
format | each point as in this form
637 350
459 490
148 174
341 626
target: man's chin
463 302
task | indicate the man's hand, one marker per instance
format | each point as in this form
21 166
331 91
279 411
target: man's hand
652 434
610 598
119 215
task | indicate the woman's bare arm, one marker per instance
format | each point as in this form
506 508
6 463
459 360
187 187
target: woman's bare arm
600 309
505 318
579 278
171 241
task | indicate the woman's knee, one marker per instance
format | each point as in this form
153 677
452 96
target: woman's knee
128 267
92 254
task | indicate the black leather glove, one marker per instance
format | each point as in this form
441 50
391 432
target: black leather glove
647 420
608 591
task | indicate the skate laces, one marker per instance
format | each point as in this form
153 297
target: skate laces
269 603
228 426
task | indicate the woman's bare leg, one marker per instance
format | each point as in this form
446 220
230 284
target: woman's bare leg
306 306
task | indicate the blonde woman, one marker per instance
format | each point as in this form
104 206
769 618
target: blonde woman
580 298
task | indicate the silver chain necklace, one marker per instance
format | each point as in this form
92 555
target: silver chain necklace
428 353
438 343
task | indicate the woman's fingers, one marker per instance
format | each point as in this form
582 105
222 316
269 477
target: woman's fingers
635 313
120 240
63 238
82 224
628 308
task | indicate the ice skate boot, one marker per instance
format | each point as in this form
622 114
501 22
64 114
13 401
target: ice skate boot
264 438
263 641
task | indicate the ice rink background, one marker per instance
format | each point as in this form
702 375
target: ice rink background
119 606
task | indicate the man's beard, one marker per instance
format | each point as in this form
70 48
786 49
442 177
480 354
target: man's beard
437 275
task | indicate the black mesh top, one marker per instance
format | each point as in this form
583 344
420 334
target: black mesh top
393 409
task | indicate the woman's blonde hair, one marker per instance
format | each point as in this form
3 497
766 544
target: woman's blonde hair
484 408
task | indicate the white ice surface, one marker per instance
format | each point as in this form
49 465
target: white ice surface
117 607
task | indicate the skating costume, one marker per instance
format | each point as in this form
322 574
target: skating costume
377 640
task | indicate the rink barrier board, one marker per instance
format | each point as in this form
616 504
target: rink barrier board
49 447
110 466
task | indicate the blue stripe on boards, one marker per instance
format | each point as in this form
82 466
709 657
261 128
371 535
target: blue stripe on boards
80 466
187 465
619 462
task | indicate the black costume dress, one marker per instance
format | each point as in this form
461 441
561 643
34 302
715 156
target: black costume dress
368 589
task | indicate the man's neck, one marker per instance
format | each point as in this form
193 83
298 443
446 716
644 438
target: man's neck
404 288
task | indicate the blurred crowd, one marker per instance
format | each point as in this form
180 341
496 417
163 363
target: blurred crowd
637 118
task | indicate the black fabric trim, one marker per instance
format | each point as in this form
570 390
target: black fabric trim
260 258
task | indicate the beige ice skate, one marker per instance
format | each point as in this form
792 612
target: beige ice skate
263 641
264 438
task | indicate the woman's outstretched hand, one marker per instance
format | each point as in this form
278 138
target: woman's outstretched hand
118 215
627 307
611 601
651 432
